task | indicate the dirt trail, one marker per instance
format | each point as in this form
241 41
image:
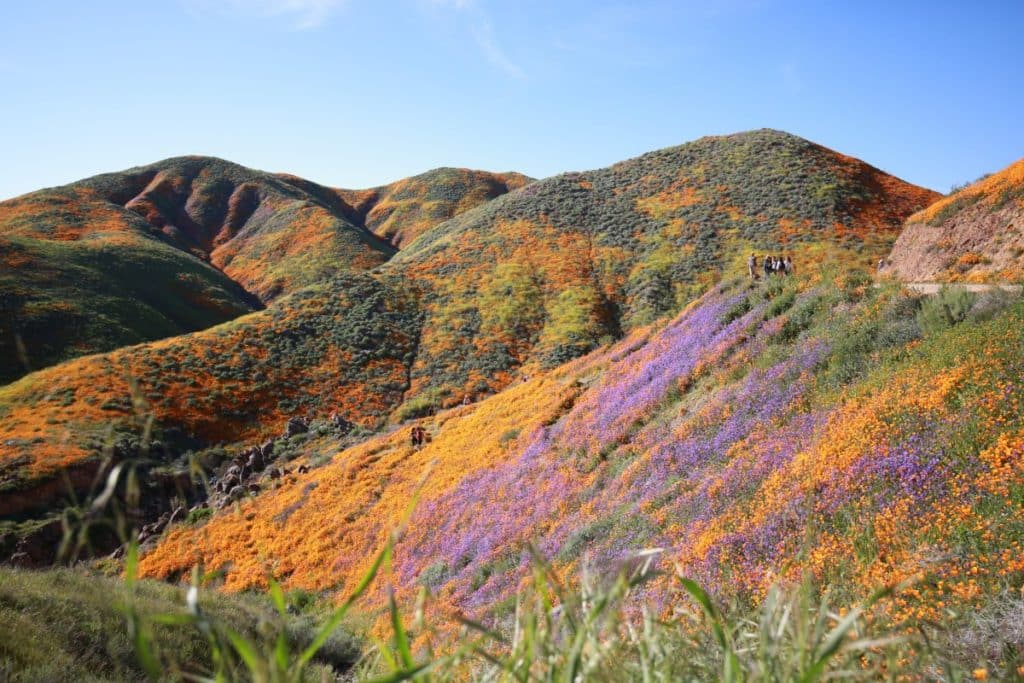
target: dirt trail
934 287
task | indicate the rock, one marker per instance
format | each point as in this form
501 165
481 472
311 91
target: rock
296 425
38 548
341 424
255 461
236 493
254 488
267 449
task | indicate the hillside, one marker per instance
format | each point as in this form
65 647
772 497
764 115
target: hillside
81 275
546 273
973 235
186 243
820 426
404 210
629 388
344 346
271 234
524 282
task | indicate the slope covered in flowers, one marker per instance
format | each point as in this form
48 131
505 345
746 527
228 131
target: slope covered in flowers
190 242
344 346
975 234
502 292
544 274
767 432
404 210
71 282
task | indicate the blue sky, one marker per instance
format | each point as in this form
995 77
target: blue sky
355 93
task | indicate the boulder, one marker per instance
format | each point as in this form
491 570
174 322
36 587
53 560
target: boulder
296 425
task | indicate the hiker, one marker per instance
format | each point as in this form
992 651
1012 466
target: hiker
787 266
415 437
752 266
881 265
767 265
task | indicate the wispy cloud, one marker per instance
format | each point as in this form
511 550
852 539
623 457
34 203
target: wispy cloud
311 14
483 33
301 14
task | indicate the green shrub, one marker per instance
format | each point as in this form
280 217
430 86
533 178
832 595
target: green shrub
510 435
780 304
434 575
946 309
426 403
580 538
736 311
199 515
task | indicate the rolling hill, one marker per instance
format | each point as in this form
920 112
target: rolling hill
544 274
402 211
524 282
190 242
629 388
974 235
81 275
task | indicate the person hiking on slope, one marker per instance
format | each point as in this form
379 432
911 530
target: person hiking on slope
752 266
787 266
767 265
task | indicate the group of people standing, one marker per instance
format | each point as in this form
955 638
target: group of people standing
772 265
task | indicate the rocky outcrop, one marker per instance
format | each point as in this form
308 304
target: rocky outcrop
973 235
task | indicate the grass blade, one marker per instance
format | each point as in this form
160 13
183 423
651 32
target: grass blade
401 638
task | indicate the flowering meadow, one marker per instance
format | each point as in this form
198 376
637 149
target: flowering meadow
769 434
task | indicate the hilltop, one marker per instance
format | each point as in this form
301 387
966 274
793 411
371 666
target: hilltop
404 210
544 274
975 234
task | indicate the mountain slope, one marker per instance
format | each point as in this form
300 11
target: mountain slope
269 233
463 308
542 274
82 275
404 210
343 346
178 245
975 234
766 432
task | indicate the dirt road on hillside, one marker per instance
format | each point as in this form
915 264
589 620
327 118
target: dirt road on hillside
934 287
